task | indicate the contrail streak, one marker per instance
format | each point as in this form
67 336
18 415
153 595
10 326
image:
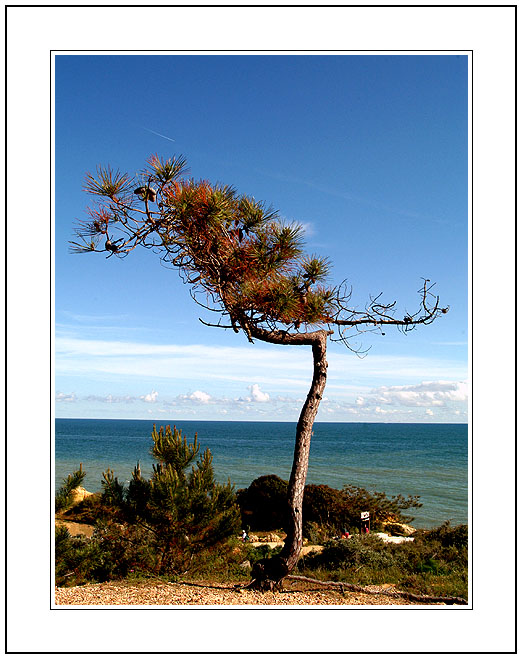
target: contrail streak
159 134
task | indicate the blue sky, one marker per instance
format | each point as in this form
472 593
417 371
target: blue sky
368 152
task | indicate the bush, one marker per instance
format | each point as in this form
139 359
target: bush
350 553
432 566
326 511
427 565
263 503
255 553
316 534
325 507
79 560
433 546
87 511
448 536
182 512
381 508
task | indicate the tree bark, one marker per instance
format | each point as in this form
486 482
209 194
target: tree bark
268 574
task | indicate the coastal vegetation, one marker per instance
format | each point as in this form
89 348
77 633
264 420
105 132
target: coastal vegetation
64 497
327 511
180 524
244 263
163 524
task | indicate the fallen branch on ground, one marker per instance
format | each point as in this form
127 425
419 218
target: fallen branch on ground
448 600
206 586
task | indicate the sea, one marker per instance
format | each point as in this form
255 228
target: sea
429 460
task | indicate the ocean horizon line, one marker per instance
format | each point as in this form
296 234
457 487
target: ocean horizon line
255 421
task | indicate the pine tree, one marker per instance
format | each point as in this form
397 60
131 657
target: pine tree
64 495
244 263
181 506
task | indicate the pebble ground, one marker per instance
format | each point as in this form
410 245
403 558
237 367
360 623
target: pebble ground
171 594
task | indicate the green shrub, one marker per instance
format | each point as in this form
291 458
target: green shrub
178 513
326 508
356 551
79 560
255 553
64 495
427 565
316 534
381 508
87 511
263 506
263 503
448 536
432 566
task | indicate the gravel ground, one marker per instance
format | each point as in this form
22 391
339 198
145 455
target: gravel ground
160 593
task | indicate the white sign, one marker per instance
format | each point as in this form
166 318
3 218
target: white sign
365 515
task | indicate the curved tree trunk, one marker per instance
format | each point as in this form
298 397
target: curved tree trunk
268 574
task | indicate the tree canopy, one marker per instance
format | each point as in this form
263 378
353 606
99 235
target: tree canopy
240 259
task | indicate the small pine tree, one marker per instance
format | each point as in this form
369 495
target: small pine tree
181 506
64 495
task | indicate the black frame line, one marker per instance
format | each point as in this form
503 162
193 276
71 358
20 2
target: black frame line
341 51
276 608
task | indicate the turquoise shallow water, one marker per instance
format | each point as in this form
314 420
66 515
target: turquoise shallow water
430 460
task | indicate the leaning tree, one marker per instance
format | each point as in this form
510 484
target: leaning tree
244 264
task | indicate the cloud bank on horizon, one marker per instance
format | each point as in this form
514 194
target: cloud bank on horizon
252 382
429 401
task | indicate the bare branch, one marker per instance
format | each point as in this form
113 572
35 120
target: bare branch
378 314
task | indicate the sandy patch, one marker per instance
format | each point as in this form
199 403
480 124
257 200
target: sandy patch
75 528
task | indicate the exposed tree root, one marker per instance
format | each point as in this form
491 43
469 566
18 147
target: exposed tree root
448 600
417 598
268 574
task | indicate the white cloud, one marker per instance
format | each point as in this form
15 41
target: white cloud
151 397
258 395
435 393
201 397
66 398
111 398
